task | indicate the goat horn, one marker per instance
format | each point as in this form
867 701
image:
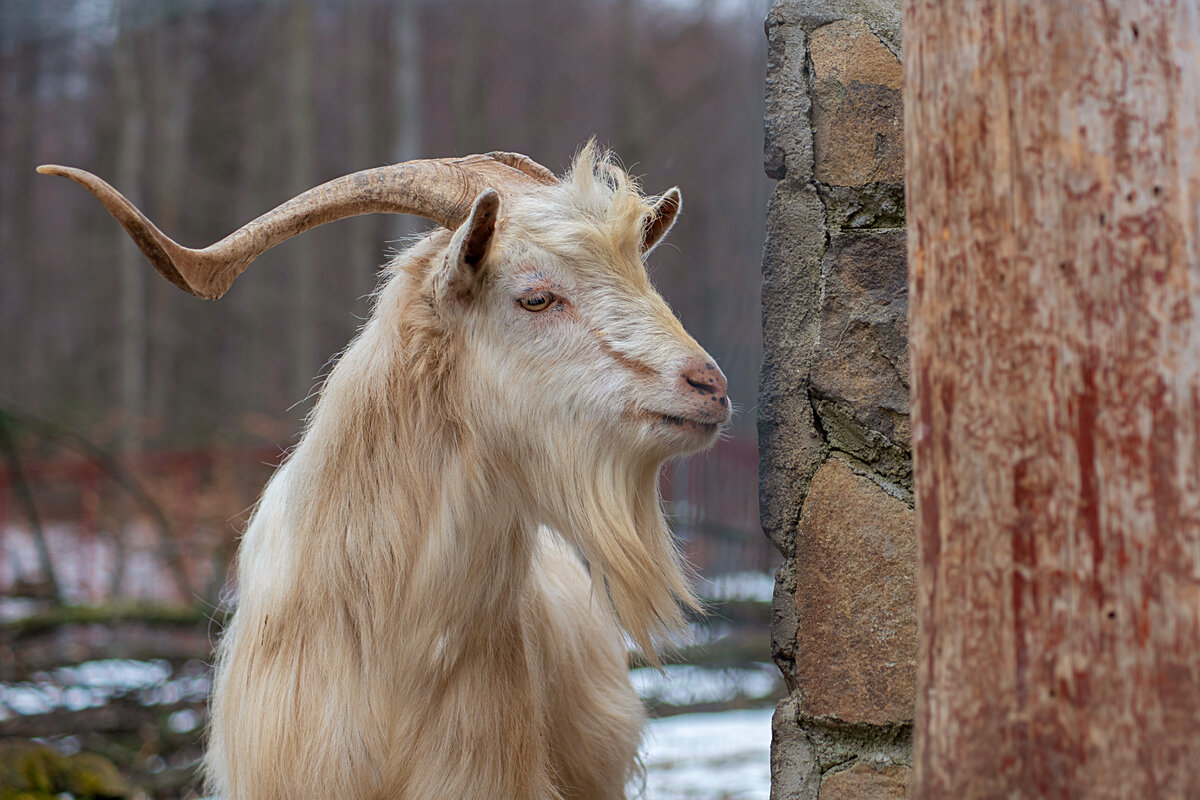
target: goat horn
526 164
438 189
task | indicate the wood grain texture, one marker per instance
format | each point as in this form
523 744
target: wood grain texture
1054 222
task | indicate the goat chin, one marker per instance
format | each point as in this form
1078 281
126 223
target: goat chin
431 598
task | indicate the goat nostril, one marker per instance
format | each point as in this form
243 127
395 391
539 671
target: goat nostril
703 378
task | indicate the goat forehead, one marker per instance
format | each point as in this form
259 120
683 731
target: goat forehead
584 239
617 278
590 249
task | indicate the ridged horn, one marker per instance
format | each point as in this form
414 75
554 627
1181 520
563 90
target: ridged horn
441 190
526 164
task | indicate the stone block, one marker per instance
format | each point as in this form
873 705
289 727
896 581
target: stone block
861 358
863 782
880 205
855 568
857 111
794 770
790 450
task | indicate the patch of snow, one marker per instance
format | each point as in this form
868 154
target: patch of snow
95 683
114 673
753 586
722 756
14 608
686 685
183 721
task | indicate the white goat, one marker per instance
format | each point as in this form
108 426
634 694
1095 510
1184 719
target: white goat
415 619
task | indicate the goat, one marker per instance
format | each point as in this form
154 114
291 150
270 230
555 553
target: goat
433 587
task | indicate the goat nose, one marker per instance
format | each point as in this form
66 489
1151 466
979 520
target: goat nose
705 378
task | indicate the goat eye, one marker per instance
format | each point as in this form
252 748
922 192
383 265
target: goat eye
537 301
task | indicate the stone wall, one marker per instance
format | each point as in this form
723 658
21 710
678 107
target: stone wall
836 474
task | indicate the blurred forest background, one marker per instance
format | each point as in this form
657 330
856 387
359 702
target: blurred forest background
138 424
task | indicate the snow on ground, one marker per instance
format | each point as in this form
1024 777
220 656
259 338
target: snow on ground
754 586
720 756
689 685
95 683
716 756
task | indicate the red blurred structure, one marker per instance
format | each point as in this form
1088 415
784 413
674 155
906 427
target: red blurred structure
172 541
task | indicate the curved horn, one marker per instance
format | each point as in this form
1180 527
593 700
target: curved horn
438 189
526 164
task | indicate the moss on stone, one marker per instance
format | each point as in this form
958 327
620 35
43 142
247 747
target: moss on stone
30 767
87 615
33 771
91 775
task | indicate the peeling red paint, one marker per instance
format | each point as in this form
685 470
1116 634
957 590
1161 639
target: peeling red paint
1057 400
1163 466
1089 490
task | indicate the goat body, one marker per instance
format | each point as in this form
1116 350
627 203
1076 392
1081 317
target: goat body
433 588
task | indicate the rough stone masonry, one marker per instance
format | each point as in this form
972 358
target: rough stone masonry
836 467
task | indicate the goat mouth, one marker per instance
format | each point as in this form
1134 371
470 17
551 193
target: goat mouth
688 424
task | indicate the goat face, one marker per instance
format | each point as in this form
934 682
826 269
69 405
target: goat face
544 283
562 330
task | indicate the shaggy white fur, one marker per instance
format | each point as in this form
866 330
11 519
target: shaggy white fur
415 618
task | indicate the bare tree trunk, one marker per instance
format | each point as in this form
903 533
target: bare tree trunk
257 309
542 90
24 496
18 135
172 84
628 79
406 69
467 87
362 250
1054 248
130 154
302 125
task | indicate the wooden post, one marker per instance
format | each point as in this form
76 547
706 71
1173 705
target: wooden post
1053 169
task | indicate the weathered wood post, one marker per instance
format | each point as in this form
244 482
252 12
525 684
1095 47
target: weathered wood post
1053 172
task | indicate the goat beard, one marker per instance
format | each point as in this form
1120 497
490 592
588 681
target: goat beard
596 488
611 510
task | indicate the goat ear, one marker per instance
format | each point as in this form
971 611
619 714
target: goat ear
467 254
660 219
